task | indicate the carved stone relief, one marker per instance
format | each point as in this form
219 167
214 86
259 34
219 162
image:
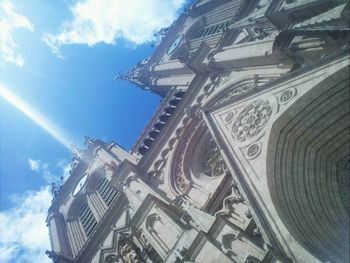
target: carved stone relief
253 150
127 250
237 92
251 120
181 181
229 117
234 206
287 95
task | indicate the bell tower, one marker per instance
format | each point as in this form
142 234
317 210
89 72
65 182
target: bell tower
81 205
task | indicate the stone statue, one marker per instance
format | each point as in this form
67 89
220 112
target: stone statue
129 254
51 254
54 190
128 250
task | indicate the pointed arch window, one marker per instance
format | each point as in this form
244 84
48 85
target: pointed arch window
107 193
88 220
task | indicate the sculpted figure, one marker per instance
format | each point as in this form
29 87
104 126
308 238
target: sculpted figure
128 250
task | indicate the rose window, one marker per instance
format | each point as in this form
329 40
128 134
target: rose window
251 120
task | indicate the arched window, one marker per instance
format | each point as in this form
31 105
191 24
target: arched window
87 220
107 193
211 162
159 230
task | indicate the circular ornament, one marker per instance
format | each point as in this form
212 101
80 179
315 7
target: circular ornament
253 150
286 96
175 44
229 117
251 120
80 185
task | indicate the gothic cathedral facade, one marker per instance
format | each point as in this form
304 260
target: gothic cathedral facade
247 157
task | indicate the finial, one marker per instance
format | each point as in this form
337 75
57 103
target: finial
134 75
74 149
89 140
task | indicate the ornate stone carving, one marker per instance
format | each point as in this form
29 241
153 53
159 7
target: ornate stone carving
287 95
229 117
251 120
127 250
234 205
194 112
212 164
236 92
253 150
180 181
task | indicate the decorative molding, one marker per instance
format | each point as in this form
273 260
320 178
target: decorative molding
229 89
237 90
180 181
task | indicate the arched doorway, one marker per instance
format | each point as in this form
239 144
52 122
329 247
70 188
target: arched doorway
308 168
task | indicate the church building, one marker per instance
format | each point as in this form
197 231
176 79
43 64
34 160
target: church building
247 158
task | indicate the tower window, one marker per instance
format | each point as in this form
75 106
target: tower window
214 29
87 220
107 193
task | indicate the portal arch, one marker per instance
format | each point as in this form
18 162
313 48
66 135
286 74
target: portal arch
307 157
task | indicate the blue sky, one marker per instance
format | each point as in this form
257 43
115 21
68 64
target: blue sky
60 57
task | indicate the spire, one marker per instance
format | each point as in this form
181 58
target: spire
74 149
135 75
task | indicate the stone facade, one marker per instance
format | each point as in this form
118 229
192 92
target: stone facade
245 160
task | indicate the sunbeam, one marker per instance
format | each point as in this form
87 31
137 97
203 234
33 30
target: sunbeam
36 117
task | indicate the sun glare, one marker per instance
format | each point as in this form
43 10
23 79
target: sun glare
36 117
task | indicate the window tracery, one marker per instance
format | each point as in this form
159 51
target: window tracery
211 162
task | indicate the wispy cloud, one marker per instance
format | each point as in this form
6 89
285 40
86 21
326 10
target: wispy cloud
34 165
9 22
43 169
23 232
66 168
105 21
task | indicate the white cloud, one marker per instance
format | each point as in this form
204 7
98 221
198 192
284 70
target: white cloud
9 22
34 165
23 231
105 21
44 170
66 168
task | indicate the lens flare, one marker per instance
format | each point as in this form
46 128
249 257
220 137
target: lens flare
33 115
